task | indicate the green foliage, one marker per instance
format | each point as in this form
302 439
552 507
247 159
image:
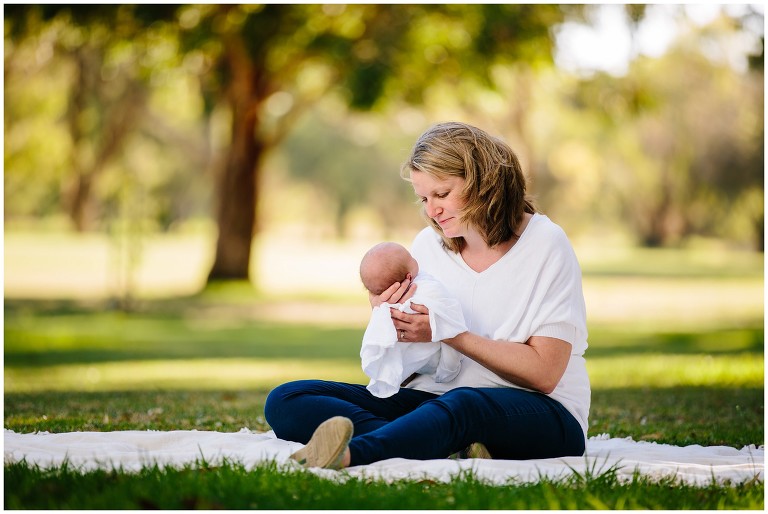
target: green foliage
369 53
122 112
88 127
674 149
353 171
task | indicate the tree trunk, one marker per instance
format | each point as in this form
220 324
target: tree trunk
79 203
119 117
78 197
237 203
237 188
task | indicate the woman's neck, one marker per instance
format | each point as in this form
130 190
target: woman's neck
479 256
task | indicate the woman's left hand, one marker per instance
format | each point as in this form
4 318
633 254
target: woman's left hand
412 328
399 292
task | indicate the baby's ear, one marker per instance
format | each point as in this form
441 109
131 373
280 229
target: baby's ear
408 276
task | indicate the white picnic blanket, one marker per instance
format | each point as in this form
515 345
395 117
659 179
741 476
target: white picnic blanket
131 450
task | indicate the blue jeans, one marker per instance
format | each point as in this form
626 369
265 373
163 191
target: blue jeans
511 423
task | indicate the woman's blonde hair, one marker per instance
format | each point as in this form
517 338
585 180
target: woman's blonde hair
494 188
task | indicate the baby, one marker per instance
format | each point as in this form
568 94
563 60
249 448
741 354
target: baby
385 360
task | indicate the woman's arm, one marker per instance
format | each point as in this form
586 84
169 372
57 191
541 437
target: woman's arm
537 364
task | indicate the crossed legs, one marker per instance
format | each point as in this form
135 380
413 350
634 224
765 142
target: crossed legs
511 423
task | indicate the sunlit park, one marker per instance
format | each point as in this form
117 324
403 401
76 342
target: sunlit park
189 189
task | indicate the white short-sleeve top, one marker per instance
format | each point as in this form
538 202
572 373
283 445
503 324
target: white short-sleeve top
533 290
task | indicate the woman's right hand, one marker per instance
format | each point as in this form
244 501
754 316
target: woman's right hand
399 292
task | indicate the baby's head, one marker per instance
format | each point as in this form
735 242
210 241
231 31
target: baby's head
385 264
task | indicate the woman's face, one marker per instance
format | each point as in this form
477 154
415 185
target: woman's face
442 200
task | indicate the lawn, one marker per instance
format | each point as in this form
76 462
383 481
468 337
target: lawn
690 373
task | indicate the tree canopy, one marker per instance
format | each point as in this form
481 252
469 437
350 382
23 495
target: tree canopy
182 108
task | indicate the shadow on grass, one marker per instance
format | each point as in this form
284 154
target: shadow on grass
711 341
61 332
49 333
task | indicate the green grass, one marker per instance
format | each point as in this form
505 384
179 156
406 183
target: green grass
68 411
678 415
231 486
66 346
683 415
207 362
703 260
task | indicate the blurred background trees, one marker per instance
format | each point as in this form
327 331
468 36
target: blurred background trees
254 116
678 142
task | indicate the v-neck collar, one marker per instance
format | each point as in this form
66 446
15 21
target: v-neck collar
456 256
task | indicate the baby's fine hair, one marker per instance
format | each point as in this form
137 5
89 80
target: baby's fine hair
494 189
383 265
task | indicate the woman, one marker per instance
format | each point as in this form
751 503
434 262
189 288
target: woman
523 390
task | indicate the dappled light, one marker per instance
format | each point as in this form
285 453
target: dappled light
108 129
188 192
213 374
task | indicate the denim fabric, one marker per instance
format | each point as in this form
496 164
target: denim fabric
512 423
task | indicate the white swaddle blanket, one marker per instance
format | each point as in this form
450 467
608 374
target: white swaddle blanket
134 449
388 362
